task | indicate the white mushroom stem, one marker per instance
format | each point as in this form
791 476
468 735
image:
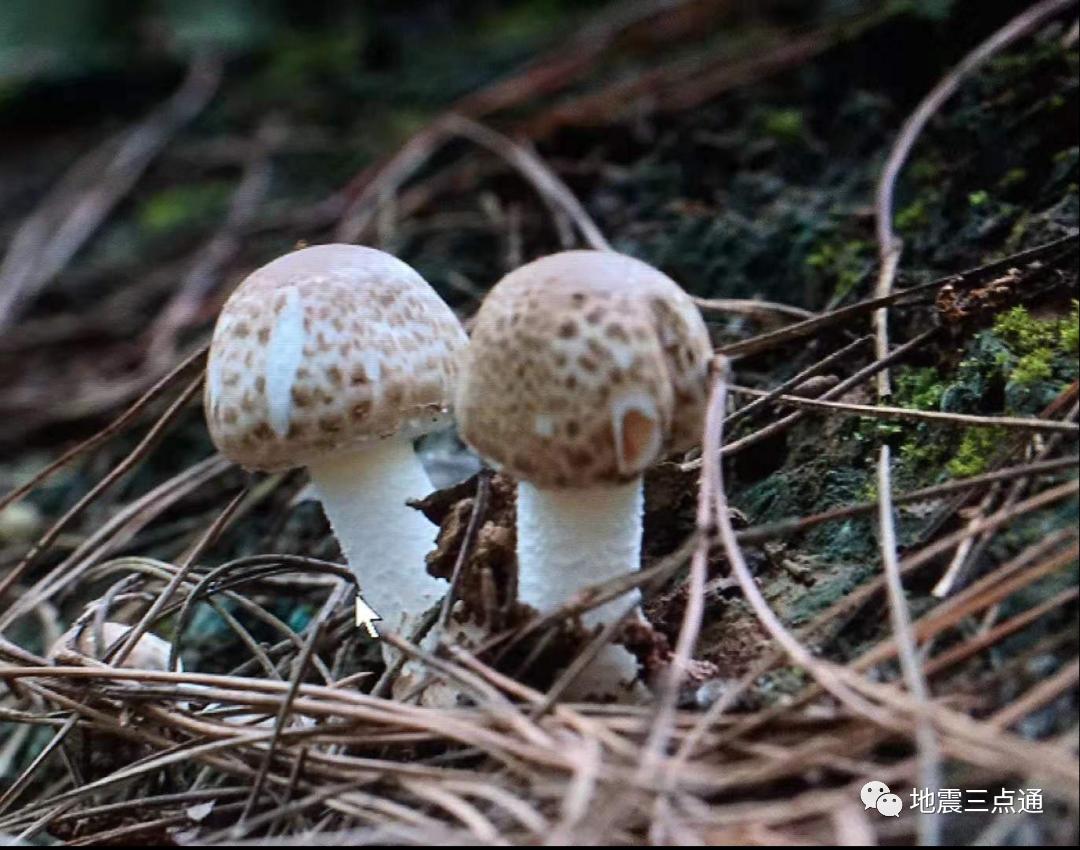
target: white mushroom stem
571 539
364 495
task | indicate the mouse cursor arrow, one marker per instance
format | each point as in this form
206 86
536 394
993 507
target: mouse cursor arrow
366 616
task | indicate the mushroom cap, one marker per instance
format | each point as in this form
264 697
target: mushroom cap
326 348
583 369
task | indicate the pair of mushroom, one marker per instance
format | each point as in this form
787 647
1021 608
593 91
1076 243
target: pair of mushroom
584 368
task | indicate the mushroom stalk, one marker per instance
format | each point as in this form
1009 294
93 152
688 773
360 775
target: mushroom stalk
569 540
364 495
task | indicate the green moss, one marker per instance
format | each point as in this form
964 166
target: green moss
1013 177
913 216
841 265
926 171
1069 331
1033 367
183 206
1043 354
919 389
920 448
784 125
1023 333
977 449
979 198
919 452
1023 359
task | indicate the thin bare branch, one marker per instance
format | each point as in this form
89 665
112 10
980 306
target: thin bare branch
884 412
925 736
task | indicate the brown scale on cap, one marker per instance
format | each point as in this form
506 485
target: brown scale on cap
584 368
324 348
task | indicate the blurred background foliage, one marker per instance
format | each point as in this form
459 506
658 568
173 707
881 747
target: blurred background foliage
764 191
348 44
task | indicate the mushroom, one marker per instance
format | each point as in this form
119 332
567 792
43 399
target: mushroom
336 357
94 753
583 369
80 641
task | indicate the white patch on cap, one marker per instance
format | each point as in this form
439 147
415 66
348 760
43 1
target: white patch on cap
635 447
370 361
283 355
544 425
623 355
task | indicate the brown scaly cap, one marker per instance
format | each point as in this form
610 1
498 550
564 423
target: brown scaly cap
583 369
326 348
